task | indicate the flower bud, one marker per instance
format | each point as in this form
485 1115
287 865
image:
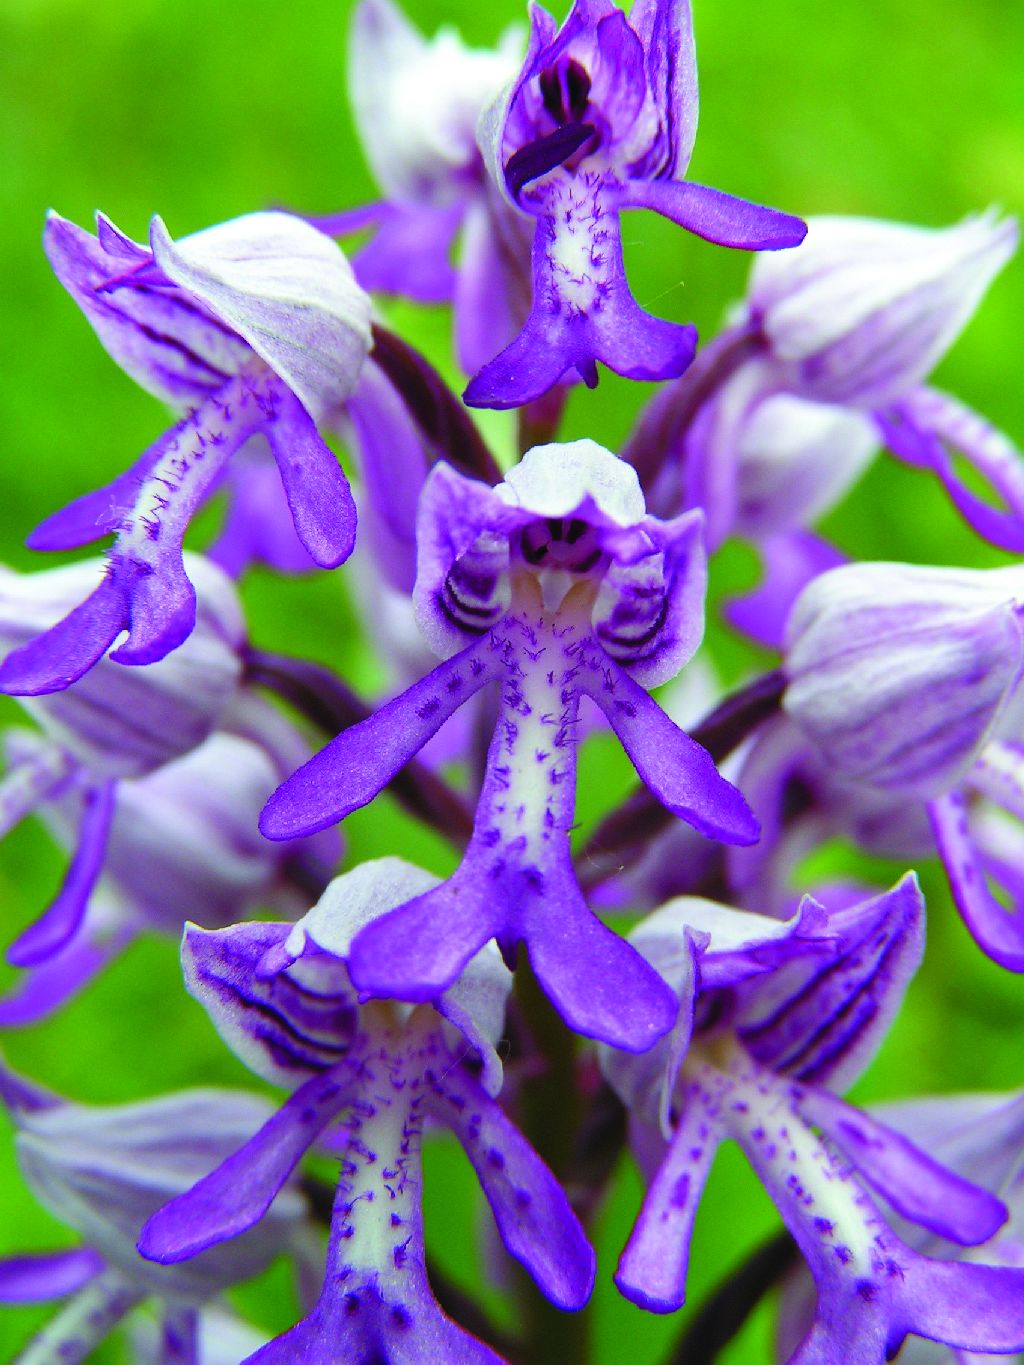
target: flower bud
864 310
900 674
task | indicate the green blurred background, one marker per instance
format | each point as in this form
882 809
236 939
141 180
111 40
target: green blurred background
200 111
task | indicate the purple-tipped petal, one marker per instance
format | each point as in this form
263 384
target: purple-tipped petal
43 989
417 950
598 982
163 608
238 1192
717 216
917 1186
61 922
997 931
354 767
791 560
60 656
34 1279
677 770
534 1218
966 1306
409 252
318 494
652 1269
928 426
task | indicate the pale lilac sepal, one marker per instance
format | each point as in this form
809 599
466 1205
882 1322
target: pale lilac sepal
283 287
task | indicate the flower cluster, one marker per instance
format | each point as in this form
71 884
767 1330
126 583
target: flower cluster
521 602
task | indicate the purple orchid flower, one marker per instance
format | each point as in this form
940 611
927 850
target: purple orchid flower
602 117
769 1026
257 328
103 1170
906 680
281 997
564 588
855 321
981 1138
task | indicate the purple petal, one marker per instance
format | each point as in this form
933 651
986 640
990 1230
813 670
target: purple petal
997 931
928 426
409 252
652 1269
598 982
533 1215
258 527
318 494
354 767
163 608
417 950
34 1279
717 216
62 920
60 656
966 1306
677 770
45 988
915 1185
238 1192
492 289
393 463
